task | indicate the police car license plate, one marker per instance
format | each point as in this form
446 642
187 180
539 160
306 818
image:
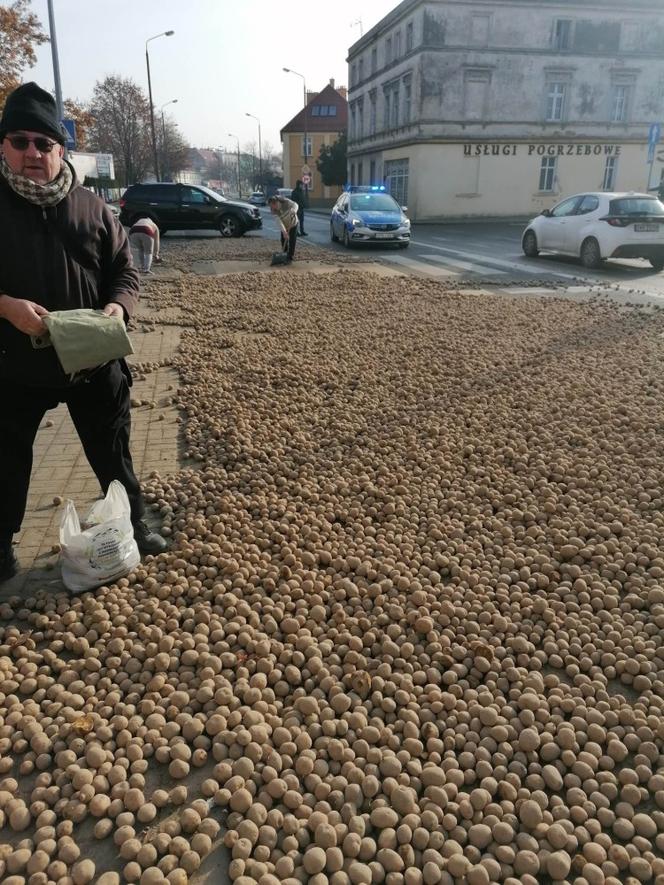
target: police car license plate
384 236
646 227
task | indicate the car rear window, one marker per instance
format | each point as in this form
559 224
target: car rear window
636 206
373 203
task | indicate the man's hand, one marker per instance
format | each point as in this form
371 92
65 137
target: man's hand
24 315
114 310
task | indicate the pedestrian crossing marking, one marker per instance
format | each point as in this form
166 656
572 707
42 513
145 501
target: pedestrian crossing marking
475 267
431 270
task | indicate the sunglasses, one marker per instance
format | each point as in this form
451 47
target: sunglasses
22 142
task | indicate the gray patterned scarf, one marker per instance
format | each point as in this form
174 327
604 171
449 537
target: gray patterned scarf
40 194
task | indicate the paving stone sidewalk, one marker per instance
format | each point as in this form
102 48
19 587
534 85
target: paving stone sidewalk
60 468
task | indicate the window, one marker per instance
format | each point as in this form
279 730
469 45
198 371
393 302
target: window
555 101
479 30
353 122
361 70
567 207
475 94
306 147
397 45
610 169
372 112
589 203
323 110
407 100
636 206
359 173
388 51
192 195
374 60
409 37
359 131
620 104
629 37
315 111
157 193
562 34
372 172
386 116
547 173
395 107
353 74
352 173
332 110
396 179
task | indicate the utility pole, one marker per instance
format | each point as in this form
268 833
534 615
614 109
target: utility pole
154 136
56 62
239 180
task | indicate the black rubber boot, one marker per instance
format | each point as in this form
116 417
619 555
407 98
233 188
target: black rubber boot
8 562
147 540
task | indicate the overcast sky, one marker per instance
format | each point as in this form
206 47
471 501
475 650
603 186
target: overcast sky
225 58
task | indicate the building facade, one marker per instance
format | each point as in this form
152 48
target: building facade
326 119
501 107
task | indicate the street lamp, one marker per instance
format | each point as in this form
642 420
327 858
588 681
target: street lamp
163 127
147 62
260 153
306 140
239 180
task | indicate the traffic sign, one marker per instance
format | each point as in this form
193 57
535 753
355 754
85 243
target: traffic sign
70 127
654 134
306 169
306 179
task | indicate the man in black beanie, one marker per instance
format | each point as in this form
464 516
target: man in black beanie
62 250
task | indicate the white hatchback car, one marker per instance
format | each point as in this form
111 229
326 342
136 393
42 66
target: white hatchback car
595 226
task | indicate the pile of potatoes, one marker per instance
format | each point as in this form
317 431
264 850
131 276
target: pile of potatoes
181 255
410 627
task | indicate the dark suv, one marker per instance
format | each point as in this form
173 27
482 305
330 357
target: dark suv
188 207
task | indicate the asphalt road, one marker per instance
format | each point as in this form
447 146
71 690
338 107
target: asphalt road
486 251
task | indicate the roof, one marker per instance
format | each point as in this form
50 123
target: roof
316 123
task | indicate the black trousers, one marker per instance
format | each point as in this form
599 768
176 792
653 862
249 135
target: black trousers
100 409
292 238
300 218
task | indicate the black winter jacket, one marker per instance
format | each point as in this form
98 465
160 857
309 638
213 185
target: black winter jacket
72 255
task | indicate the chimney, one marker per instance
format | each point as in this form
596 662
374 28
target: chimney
343 92
311 95
332 82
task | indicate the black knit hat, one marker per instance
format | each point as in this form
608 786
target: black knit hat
31 108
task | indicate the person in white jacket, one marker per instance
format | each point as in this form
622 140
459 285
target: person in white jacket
144 242
286 212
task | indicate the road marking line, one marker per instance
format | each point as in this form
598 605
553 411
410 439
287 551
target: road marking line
429 269
511 265
476 267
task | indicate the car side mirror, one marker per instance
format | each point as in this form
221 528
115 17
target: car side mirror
546 213
404 208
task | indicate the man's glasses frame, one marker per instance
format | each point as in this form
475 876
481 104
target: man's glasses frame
22 143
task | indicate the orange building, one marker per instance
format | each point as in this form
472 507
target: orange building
323 120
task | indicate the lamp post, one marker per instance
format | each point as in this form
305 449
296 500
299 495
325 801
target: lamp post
147 62
163 127
56 62
239 180
260 153
305 152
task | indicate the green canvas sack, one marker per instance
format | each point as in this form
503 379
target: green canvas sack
85 339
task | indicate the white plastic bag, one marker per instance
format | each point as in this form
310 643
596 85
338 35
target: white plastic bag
103 552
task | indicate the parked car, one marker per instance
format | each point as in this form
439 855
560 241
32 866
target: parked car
365 215
284 192
188 207
596 226
258 198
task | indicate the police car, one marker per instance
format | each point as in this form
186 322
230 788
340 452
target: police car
368 214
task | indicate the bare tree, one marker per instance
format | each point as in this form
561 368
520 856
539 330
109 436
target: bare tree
172 149
121 126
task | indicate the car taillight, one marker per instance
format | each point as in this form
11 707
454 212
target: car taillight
122 203
617 222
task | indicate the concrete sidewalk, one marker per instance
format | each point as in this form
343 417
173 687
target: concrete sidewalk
60 468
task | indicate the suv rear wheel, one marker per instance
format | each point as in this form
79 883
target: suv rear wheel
229 226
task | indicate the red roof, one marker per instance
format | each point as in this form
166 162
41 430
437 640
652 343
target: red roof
315 122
